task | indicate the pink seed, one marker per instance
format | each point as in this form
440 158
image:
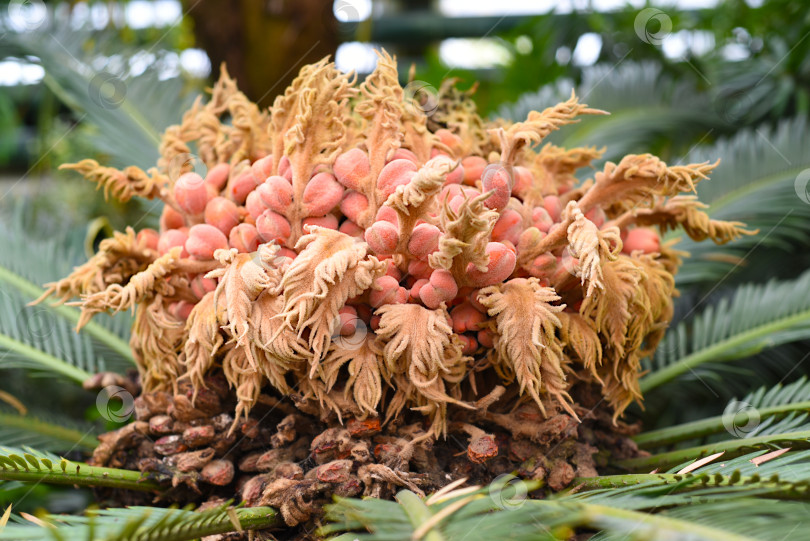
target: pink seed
204 240
508 227
424 240
261 169
541 219
498 179
181 309
382 237
642 238
469 344
201 285
148 238
276 193
404 154
416 287
352 229
254 204
240 186
285 168
473 168
395 173
419 269
244 238
273 227
386 290
442 287
466 318
553 206
486 338
171 238
190 193
353 205
502 262
523 181
348 321
218 176
222 213
171 219
351 168
597 216
393 271
329 221
321 194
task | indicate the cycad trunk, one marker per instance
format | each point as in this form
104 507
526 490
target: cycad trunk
264 43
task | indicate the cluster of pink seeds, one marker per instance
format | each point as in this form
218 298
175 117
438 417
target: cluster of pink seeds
226 210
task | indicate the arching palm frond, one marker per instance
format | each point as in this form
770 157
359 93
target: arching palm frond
35 338
89 71
755 317
786 476
26 262
768 410
144 523
46 430
687 509
27 464
759 182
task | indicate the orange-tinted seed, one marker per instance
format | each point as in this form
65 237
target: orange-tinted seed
273 227
204 240
222 213
244 238
218 176
473 168
190 193
351 168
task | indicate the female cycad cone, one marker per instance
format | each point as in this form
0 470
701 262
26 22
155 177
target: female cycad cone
392 277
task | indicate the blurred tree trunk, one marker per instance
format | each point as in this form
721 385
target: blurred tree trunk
263 42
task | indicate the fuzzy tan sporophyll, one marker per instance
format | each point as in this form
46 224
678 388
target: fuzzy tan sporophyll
350 248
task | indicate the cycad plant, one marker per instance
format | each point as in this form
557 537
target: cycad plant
350 297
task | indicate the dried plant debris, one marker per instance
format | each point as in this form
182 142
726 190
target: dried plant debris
294 461
440 278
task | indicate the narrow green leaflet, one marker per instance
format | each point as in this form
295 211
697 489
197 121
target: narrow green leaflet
47 431
754 318
145 524
26 263
36 466
781 408
643 511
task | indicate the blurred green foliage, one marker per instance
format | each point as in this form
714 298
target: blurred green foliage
767 77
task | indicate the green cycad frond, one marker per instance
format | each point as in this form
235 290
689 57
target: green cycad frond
755 317
736 520
644 105
34 338
772 410
47 431
795 439
138 109
26 262
793 467
39 466
479 515
773 417
145 524
643 511
756 183
784 477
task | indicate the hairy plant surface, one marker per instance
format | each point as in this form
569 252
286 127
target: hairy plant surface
379 265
